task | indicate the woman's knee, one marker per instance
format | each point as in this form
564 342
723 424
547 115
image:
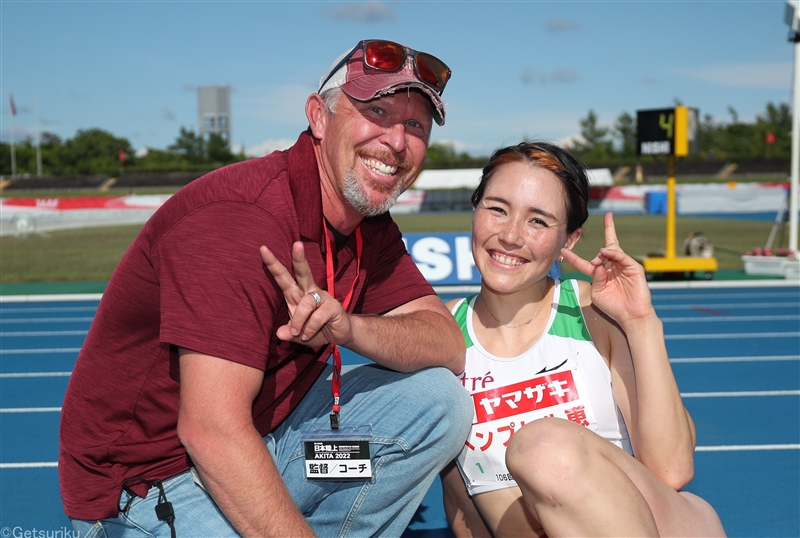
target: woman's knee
548 452
704 520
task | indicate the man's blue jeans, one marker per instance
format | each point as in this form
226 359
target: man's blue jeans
419 423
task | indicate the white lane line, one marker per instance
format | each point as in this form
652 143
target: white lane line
723 317
43 333
790 286
683 394
30 409
741 394
668 337
737 359
47 320
34 374
728 295
29 465
718 448
675 361
66 297
728 319
730 335
725 284
6 310
737 448
39 351
16 375
723 306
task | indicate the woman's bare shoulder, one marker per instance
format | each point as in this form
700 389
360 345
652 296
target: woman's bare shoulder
452 303
585 293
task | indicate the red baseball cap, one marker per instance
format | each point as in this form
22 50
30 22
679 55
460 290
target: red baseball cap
350 73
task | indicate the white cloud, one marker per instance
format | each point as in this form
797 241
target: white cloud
561 25
776 75
564 76
570 141
268 146
558 76
528 76
461 146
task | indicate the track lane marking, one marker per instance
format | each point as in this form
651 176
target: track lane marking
36 351
741 394
30 410
718 448
19 375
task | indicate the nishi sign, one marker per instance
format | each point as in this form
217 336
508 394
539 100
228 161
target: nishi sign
667 131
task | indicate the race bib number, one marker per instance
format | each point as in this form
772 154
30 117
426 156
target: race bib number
502 411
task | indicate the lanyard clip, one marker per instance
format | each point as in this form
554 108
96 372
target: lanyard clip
335 414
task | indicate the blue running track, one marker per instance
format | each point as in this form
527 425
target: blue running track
735 349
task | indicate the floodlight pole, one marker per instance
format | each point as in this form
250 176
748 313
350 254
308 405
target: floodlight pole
794 37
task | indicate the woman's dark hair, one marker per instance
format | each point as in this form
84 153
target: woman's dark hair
569 170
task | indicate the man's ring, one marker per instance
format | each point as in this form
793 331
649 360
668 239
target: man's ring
316 297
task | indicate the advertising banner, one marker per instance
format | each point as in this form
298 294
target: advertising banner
443 258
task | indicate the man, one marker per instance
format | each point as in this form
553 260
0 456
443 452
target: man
200 401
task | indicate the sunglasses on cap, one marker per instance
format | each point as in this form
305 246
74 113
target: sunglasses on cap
388 56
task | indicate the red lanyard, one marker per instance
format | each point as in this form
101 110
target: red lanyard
337 357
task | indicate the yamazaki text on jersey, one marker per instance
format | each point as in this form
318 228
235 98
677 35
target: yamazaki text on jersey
531 395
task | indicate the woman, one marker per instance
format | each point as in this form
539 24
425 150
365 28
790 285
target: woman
579 426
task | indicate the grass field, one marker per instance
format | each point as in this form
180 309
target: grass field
639 235
93 253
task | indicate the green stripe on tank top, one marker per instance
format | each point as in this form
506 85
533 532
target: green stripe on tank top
461 319
569 320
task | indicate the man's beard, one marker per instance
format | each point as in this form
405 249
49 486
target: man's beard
356 196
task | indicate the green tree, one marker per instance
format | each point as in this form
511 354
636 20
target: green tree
158 160
92 151
709 132
596 145
5 159
25 152
777 122
738 140
444 155
190 146
625 133
217 150
51 146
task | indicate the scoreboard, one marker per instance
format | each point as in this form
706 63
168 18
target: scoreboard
667 131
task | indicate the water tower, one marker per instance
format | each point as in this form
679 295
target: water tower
214 109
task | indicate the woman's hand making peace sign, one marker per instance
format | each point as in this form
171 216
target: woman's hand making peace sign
619 286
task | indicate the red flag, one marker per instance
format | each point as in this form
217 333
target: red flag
13 107
122 156
771 137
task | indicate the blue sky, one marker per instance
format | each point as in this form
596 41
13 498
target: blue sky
520 69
